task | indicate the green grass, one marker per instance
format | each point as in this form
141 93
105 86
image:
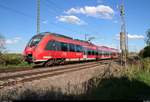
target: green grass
144 76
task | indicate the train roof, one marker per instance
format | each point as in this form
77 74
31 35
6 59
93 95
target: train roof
64 36
55 34
81 41
105 48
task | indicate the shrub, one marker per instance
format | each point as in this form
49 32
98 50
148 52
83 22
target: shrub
145 52
11 59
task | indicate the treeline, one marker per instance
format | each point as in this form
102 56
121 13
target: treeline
146 51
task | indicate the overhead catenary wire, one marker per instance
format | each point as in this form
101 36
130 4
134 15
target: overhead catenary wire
26 15
46 4
16 11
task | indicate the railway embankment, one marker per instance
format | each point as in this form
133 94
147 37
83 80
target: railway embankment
106 81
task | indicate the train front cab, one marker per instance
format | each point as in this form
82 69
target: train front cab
29 51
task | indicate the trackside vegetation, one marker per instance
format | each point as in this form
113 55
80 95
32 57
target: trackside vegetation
13 60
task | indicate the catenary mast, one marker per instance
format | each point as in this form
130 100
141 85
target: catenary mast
123 35
38 16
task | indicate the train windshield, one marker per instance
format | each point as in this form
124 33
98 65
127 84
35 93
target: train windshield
35 40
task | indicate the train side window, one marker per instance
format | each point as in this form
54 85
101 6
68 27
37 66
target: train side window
58 46
89 52
100 53
79 48
93 52
96 52
52 45
72 47
85 51
104 53
64 46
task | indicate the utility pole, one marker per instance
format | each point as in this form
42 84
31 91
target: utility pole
123 36
86 37
38 16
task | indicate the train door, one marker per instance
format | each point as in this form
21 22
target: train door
85 53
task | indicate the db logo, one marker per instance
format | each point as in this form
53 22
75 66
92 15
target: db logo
64 53
78 54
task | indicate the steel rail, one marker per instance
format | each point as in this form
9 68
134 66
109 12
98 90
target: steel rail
49 74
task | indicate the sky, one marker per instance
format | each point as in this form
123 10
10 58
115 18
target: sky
74 18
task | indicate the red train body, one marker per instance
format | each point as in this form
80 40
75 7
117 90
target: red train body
53 48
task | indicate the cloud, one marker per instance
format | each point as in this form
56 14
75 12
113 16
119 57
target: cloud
115 21
45 21
100 11
134 36
71 19
13 40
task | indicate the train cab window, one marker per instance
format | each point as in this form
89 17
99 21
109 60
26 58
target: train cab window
51 45
79 48
72 47
35 40
64 46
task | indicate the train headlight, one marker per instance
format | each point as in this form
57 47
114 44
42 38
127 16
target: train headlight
47 57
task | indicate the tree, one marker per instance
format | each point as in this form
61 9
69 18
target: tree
148 37
146 52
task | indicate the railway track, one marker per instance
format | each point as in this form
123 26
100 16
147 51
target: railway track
6 70
37 67
35 74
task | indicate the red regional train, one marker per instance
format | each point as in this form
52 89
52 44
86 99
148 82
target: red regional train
50 48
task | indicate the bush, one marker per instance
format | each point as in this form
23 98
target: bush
11 59
146 64
145 52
